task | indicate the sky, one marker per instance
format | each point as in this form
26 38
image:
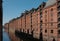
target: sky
14 8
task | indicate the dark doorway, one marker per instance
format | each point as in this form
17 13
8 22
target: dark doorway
41 37
53 39
28 31
32 33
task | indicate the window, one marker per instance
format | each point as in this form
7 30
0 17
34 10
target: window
58 31
46 31
45 11
32 32
45 16
46 24
51 19
41 14
59 2
41 21
31 15
58 13
31 25
51 31
59 25
58 19
40 10
28 31
40 25
51 9
58 8
37 29
45 20
51 24
53 39
46 40
51 14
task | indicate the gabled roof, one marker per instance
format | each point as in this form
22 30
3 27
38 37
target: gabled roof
50 2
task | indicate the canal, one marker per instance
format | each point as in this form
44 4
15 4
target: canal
5 36
19 36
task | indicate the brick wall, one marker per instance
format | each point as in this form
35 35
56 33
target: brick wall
50 23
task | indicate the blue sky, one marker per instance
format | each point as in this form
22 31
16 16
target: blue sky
14 8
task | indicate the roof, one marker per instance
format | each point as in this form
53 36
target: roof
49 3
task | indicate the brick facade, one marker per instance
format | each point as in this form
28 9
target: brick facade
41 20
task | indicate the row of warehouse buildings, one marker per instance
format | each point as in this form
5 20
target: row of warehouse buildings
43 20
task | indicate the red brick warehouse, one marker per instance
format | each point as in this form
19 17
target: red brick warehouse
45 19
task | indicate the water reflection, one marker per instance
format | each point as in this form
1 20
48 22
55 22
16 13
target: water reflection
18 36
5 36
26 37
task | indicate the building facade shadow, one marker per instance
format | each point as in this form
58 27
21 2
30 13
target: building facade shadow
27 37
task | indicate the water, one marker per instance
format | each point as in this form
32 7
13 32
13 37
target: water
5 36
